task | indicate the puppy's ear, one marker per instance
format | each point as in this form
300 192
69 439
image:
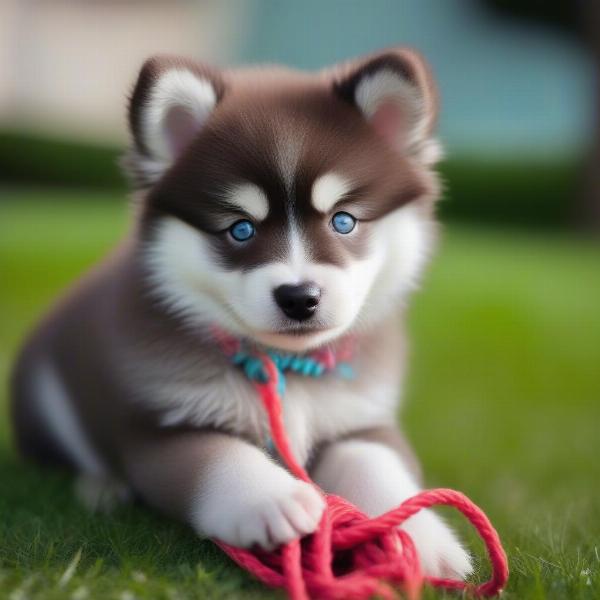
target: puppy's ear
171 101
396 94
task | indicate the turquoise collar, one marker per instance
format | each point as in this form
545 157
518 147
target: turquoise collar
329 359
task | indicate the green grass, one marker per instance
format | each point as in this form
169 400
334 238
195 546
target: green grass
503 403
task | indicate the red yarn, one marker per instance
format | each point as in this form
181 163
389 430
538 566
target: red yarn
351 556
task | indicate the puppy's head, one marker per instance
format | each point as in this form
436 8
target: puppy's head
281 206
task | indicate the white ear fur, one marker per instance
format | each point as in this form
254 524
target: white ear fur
178 105
169 106
404 123
396 93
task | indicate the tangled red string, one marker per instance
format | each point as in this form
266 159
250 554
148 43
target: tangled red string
354 557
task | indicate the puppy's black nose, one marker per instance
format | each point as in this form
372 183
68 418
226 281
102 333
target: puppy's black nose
298 302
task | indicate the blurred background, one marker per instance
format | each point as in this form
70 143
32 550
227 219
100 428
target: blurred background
505 372
520 95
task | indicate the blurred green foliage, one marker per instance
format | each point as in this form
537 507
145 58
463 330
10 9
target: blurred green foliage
32 159
527 192
530 193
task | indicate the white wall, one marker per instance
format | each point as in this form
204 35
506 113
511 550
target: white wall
66 66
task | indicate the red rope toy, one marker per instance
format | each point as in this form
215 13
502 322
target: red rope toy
378 553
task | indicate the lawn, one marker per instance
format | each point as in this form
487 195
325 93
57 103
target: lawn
503 403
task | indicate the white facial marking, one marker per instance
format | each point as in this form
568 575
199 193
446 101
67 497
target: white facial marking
297 258
251 199
328 190
184 275
406 239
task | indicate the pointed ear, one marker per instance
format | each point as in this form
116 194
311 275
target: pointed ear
396 94
171 101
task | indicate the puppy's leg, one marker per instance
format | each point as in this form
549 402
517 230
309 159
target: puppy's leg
369 471
223 486
101 493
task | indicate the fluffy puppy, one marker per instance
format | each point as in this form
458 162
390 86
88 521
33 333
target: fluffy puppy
292 211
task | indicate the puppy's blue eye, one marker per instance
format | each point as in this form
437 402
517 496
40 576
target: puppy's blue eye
242 230
343 222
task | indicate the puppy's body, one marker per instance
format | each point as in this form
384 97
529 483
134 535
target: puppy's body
120 364
124 381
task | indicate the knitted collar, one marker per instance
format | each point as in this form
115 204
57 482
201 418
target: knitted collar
250 357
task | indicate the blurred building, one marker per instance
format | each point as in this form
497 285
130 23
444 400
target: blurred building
67 65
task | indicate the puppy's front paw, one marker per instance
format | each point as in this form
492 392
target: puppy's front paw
440 552
270 516
286 515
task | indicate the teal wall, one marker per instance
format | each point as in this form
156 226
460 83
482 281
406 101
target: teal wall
506 86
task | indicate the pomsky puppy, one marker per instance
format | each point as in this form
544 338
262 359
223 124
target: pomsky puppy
293 211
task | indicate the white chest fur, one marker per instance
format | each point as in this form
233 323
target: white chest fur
315 410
